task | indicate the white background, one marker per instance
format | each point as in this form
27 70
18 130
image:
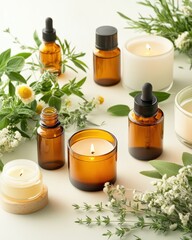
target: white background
76 21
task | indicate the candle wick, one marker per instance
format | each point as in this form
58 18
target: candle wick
92 152
21 173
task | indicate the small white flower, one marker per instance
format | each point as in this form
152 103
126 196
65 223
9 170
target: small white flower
181 40
187 10
25 93
173 226
184 218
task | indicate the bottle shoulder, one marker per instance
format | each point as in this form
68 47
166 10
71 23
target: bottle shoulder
107 53
155 119
50 132
49 47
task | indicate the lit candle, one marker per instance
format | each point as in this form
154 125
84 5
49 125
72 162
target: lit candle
22 187
183 115
92 147
92 156
148 59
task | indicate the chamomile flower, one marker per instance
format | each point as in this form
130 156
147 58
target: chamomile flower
25 93
40 105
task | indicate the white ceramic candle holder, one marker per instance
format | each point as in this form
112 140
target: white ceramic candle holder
148 59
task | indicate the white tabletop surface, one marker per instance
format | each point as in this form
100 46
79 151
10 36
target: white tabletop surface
76 20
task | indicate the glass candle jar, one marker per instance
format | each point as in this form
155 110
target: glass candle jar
92 157
183 116
148 59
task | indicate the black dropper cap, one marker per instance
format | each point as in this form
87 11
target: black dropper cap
49 33
145 103
106 38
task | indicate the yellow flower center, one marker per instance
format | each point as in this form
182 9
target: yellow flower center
101 100
39 108
25 92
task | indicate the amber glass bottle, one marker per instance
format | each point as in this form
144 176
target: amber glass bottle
145 127
50 52
106 57
50 140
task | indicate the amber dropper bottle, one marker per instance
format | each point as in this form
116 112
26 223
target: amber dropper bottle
49 51
145 126
106 57
50 140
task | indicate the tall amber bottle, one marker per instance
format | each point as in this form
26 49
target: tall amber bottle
106 57
50 140
49 51
145 127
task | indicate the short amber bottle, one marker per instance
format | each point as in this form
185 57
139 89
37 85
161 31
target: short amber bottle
49 51
145 126
50 140
106 57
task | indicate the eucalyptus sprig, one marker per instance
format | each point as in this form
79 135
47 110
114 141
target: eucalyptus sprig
169 18
123 110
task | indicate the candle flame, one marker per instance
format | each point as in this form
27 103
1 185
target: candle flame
148 47
21 173
92 149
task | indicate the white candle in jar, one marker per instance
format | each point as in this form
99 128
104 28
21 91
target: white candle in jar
21 180
92 147
183 115
148 59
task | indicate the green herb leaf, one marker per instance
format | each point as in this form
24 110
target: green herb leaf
161 96
119 110
24 54
4 56
168 168
15 76
11 89
55 102
4 122
187 158
15 64
152 174
1 165
46 97
37 39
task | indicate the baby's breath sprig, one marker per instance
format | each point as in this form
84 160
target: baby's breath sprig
167 208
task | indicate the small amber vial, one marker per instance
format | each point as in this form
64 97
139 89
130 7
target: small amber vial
50 140
145 126
106 57
49 51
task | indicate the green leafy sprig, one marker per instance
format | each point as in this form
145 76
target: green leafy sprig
169 18
69 54
123 110
168 168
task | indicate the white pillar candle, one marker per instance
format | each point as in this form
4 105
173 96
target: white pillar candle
21 180
148 59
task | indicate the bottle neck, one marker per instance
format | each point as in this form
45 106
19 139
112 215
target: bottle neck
49 117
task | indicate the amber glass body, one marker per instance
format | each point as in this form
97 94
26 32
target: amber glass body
145 135
50 57
91 173
107 66
50 140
